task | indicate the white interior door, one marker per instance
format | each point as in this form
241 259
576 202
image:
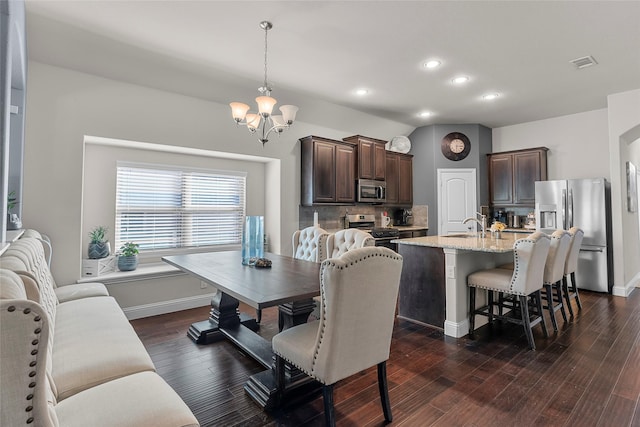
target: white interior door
456 200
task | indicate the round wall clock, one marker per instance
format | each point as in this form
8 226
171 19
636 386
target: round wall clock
455 146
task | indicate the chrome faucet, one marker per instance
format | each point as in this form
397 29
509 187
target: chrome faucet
482 223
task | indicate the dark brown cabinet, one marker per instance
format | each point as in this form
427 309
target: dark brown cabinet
512 176
371 157
327 172
399 178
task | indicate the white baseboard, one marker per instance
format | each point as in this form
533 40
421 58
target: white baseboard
163 307
625 291
456 330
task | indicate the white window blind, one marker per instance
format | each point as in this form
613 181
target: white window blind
161 207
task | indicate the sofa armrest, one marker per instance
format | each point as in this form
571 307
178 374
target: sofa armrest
24 356
81 290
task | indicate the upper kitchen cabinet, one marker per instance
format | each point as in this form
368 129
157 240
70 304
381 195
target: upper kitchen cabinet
399 178
371 157
512 176
328 171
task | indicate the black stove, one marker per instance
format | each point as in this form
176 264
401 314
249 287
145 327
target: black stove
385 232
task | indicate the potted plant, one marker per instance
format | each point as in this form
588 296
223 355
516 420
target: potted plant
128 256
99 244
13 220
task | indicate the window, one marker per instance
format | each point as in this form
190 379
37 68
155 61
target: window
162 207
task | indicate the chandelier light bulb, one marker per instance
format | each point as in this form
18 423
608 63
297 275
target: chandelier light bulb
289 113
239 111
265 105
253 121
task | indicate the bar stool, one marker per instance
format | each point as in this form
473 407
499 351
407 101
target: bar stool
523 282
553 274
570 268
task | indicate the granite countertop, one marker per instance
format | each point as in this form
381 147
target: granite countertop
519 230
398 227
468 242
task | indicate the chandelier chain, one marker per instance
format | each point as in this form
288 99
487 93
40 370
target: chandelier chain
266 83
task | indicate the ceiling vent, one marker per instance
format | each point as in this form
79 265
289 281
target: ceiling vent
584 62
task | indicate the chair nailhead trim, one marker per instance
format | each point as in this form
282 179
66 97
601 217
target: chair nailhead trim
29 420
32 384
27 311
30 397
11 308
29 408
32 363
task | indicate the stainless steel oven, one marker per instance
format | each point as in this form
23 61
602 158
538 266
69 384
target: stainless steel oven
382 236
372 191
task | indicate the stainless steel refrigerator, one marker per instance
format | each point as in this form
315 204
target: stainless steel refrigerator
586 204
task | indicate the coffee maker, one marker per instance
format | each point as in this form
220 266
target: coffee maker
403 217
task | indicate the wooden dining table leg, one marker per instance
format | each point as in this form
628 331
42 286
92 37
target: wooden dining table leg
224 313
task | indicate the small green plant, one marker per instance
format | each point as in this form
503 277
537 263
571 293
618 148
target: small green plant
12 201
129 249
99 234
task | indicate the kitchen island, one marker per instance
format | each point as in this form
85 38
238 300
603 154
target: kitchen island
433 285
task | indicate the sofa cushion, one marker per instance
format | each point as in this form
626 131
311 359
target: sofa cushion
94 343
11 286
142 399
81 290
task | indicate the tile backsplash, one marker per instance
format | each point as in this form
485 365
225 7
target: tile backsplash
332 217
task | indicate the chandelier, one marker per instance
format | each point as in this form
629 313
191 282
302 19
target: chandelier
264 122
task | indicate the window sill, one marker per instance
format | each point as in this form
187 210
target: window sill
143 272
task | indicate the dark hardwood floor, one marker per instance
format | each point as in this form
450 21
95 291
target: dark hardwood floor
588 374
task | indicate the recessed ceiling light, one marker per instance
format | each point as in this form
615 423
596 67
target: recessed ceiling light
433 63
460 80
424 114
490 96
362 92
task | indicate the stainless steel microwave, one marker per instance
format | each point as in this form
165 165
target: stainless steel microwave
372 191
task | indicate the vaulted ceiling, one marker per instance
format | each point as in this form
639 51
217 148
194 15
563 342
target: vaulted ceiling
325 50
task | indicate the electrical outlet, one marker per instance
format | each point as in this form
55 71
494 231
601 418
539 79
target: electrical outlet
203 285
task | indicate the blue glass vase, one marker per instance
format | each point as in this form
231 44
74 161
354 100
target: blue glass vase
252 239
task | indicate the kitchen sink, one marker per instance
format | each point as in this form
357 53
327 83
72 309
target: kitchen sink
462 236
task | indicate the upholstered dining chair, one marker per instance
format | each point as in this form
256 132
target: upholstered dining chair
570 268
345 240
360 282
553 274
524 282
309 244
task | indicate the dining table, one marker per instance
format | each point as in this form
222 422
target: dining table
288 283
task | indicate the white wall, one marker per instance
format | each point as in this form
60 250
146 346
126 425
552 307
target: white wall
577 143
63 106
624 131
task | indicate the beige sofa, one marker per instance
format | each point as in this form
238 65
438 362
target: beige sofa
69 356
